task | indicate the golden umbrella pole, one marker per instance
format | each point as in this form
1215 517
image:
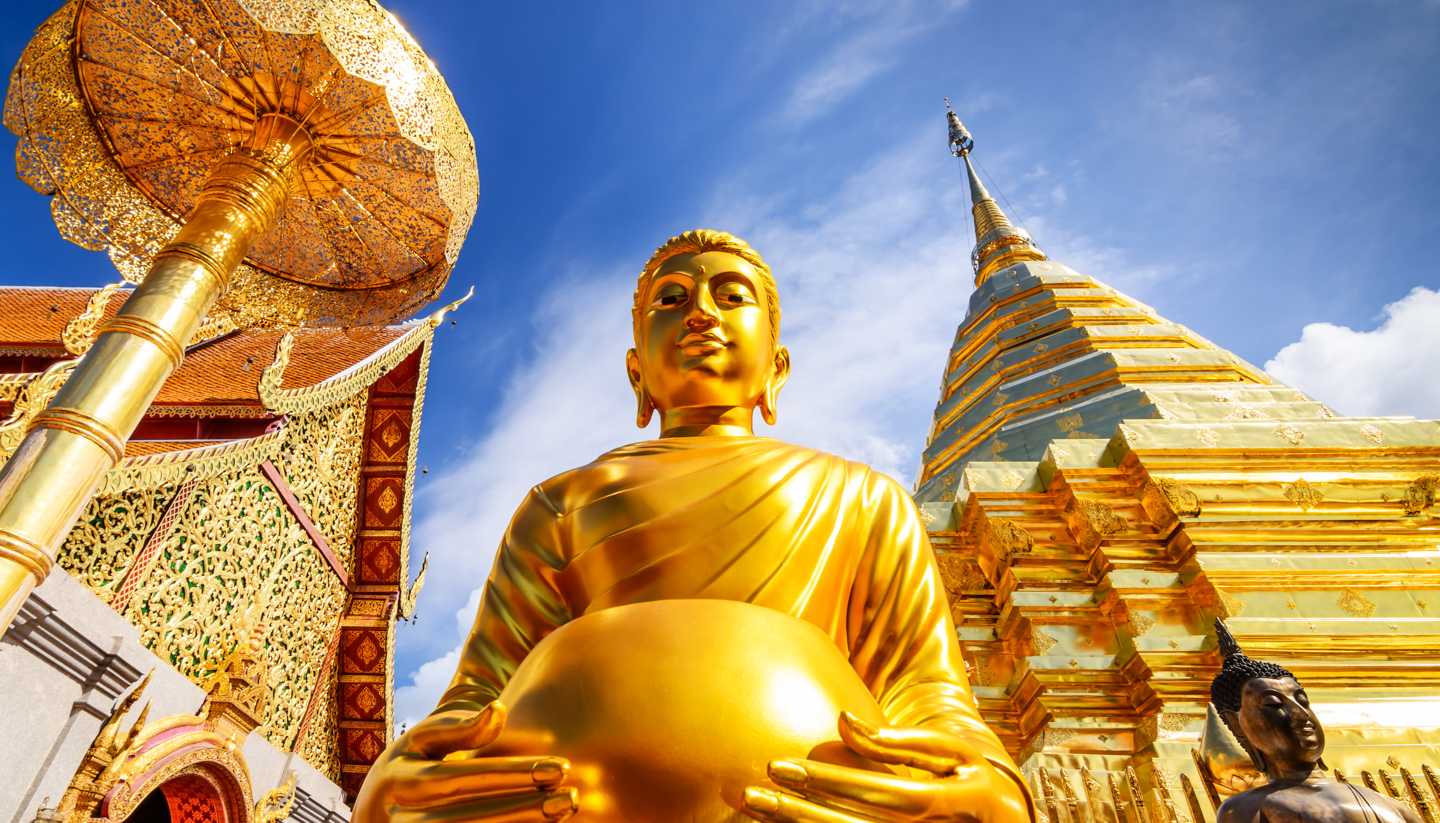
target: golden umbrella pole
82 433
283 162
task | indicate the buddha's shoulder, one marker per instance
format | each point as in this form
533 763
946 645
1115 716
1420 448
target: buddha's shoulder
650 462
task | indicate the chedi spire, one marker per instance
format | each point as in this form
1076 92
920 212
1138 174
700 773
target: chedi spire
998 242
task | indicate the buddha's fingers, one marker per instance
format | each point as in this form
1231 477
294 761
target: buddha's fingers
862 791
440 783
764 804
440 734
933 750
526 807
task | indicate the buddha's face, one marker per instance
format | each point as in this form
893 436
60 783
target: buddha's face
1276 717
703 338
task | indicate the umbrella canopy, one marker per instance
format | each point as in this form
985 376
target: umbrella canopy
123 108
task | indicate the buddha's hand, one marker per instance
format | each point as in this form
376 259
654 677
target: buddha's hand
949 781
414 781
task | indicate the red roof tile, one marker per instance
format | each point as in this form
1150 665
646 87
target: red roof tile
225 371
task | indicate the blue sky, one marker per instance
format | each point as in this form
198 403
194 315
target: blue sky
1264 173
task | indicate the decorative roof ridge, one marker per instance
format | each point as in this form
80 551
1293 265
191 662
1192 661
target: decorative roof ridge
24 287
149 471
343 385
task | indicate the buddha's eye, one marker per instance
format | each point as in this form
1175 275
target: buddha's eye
1302 698
733 293
670 295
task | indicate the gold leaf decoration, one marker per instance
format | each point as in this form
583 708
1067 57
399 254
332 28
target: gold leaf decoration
1040 641
1290 434
1140 624
1009 539
1302 494
1355 604
1421 494
1102 518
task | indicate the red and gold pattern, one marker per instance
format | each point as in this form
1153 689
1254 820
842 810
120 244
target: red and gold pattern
365 679
192 799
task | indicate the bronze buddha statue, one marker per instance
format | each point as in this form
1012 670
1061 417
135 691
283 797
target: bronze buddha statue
710 625
1269 713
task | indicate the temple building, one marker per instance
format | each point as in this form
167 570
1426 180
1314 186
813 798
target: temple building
217 638
1100 483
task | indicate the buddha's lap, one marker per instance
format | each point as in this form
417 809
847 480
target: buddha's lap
668 709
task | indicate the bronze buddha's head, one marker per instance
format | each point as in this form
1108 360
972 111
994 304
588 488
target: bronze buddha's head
707 328
1267 710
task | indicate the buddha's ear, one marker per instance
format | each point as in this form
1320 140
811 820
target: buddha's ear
1232 721
770 399
644 406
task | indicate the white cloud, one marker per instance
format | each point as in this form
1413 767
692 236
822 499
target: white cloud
1388 370
875 33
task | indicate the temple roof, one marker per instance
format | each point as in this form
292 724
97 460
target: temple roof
223 371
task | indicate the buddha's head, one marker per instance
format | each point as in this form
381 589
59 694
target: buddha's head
707 333
1267 710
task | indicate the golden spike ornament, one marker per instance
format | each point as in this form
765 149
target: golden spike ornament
998 242
279 163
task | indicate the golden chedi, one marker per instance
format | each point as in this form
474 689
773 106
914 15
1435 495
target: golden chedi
710 625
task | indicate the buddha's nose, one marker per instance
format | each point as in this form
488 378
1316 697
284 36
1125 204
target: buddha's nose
703 314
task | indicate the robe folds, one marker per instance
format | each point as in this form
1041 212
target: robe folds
749 519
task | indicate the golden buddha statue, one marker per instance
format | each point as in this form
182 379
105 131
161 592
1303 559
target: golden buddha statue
1269 713
708 626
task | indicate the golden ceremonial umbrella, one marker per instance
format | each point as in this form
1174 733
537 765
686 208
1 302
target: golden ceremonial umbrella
280 162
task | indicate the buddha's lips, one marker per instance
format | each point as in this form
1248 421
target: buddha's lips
701 342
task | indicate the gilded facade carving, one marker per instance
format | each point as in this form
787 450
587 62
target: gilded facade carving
321 462
29 401
237 543
108 537
319 743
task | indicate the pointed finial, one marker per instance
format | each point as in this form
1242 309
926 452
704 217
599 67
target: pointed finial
960 140
137 727
108 739
998 242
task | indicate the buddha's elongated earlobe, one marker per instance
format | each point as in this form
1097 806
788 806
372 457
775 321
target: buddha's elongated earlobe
767 403
644 406
770 398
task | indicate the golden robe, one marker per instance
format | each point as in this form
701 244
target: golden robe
750 519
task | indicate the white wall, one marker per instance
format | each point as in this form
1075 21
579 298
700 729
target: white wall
62 666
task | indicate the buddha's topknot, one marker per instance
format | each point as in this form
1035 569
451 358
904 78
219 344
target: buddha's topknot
1236 671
